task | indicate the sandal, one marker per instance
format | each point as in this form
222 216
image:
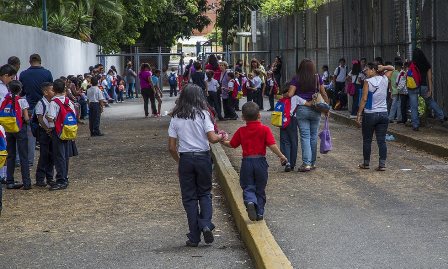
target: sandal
381 168
363 166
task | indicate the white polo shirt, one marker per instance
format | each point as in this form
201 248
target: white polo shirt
3 89
53 111
192 134
94 94
39 110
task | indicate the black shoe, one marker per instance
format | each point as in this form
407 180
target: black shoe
14 185
271 109
288 168
251 211
100 134
260 217
208 235
51 183
26 187
40 184
58 187
221 119
188 243
234 118
3 180
415 129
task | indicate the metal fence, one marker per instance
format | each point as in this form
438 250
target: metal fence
360 28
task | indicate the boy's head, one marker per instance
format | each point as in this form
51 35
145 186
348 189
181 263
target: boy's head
7 73
250 76
210 74
231 75
173 69
157 72
15 87
94 81
251 111
47 89
59 87
197 66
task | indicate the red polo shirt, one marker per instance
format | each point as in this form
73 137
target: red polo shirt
253 138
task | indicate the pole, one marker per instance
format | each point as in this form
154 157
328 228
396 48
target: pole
414 24
160 63
216 31
44 15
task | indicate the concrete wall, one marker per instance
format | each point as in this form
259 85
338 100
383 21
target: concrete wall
61 55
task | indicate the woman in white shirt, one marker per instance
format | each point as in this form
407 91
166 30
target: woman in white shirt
192 129
375 118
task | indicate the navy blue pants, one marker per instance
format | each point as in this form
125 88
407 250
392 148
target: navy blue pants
94 118
253 181
61 157
289 141
195 177
21 138
375 123
45 165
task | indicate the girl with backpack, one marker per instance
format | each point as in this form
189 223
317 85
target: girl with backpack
421 66
372 113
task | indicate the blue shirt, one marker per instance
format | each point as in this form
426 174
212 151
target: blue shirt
155 81
32 80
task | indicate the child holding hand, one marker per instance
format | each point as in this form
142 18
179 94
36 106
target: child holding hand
254 138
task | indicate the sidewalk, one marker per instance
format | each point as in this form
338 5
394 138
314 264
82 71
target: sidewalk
339 216
432 138
122 209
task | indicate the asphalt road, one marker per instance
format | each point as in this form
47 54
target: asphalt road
341 217
122 208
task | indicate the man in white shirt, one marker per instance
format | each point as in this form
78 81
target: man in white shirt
96 103
340 74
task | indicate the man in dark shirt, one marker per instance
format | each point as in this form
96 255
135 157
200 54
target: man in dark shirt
32 79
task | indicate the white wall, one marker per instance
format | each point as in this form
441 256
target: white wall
61 55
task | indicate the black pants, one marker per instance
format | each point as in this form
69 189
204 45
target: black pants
229 108
339 94
21 138
375 123
45 165
94 118
215 101
61 157
404 98
149 95
173 90
271 99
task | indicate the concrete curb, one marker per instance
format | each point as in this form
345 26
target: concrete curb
418 144
262 247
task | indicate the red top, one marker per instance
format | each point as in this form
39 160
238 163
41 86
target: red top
253 138
217 71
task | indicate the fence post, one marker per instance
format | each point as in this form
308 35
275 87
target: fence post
160 63
137 66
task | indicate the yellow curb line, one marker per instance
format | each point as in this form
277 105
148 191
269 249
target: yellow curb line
262 247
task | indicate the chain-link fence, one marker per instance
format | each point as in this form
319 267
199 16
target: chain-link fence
354 29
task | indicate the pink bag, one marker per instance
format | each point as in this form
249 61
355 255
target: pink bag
325 139
350 88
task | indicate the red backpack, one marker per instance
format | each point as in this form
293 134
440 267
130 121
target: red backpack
236 85
281 116
11 114
413 77
66 124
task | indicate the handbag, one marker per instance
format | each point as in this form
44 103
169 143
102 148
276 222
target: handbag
325 139
318 102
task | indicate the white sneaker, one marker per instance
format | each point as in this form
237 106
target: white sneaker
352 117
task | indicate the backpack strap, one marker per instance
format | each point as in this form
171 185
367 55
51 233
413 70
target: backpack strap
44 107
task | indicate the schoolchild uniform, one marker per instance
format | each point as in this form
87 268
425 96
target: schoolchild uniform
195 171
254 138
62 149
45 165
21 138
95 96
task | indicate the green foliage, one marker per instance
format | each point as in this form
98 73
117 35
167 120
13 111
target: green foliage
287 7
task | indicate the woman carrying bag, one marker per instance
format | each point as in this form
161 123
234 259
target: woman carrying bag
375 118
307 84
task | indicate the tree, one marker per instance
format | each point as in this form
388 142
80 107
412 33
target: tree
184 16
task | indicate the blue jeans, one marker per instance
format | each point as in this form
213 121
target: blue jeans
374 123
195 177
130 90
308 120
395 109
413 101
253 181
289 141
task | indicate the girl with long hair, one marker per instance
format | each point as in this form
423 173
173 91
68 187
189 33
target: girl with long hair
192 129
147 89
305 84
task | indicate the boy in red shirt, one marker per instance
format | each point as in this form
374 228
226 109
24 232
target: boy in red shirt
254 138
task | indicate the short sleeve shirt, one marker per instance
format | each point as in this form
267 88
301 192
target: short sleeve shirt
253 138
257 82
212 85
94 94
40 108
192 134
3 90
342 73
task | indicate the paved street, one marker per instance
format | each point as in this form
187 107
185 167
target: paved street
122 209
341 217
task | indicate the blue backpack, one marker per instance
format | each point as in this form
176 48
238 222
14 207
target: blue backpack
172 79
